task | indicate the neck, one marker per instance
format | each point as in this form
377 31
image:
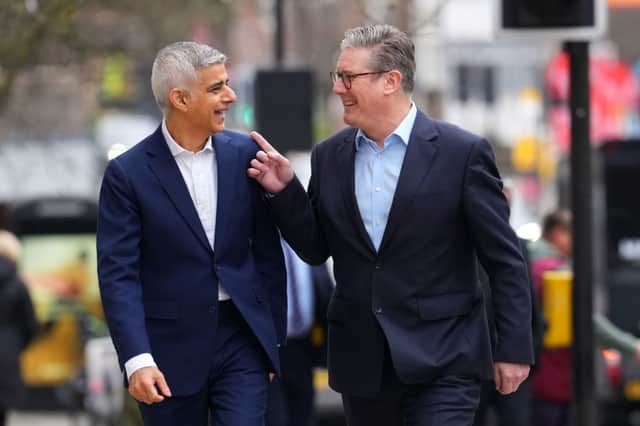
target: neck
185 135
389 119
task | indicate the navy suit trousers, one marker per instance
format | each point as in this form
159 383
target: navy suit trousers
236 390
446 401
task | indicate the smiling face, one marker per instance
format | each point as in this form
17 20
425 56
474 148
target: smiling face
209 97
365 101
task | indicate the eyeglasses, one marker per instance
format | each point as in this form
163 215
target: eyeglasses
348 78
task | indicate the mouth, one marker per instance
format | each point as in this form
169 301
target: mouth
220 113
348 103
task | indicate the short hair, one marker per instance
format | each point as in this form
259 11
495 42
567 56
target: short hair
560 218
392 49
9 245
176 65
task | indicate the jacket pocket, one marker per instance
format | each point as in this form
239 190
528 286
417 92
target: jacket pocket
445 306
161 310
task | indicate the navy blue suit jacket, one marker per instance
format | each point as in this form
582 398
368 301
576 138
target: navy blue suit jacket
420 291
158 273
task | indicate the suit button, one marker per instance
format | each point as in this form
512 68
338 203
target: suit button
212 309
378 310
378 266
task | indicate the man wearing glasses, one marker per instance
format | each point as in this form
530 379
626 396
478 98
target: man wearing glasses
405 205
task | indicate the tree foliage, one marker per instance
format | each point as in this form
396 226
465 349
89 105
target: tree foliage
36 32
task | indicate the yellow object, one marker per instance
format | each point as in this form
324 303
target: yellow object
55 358
632 390
320 379
556 306
524 154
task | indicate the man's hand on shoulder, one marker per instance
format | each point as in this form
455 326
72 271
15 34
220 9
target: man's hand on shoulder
148 385
270 168
508 376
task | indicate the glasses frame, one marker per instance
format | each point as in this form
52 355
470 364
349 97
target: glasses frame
347 79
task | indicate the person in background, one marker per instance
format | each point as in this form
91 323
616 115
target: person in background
18 324
552 379
512 409
291 396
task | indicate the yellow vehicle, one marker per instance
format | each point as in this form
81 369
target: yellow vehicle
58 264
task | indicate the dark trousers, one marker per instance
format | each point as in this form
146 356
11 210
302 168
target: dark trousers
291 395
550 413
511 410
236 390
3 416
445 401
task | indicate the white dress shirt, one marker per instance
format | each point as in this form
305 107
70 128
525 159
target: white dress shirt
200 173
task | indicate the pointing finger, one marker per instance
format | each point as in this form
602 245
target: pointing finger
261 141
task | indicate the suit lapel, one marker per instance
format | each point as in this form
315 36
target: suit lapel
420 154
164 167
346 170
226 158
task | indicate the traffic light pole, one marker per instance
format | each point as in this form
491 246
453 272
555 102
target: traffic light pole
584 400
278 41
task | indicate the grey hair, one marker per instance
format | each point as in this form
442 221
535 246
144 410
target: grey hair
177 64
392 49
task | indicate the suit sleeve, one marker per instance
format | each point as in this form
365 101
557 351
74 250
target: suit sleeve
118 244
297 216
487 213
267 253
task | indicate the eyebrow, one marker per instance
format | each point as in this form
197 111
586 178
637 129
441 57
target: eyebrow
217 84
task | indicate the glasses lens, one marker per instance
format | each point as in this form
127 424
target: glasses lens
346 80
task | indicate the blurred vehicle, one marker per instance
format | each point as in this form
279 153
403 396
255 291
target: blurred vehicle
58 264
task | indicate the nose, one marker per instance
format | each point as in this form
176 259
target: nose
230 95
338 87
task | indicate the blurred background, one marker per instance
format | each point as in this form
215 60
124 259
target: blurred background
74 92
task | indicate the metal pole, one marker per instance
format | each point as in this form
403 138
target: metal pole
279 35
581 201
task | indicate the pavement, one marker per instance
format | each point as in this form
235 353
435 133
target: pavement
47 419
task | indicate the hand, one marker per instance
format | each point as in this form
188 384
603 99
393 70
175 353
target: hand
271 376
508 376
638 351
145 383
271 169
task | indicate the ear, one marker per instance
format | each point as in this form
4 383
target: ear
179 99
392 82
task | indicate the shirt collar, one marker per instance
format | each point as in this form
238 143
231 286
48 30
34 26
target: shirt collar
174 147
403 131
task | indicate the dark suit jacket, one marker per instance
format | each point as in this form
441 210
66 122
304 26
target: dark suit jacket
420 290
158 274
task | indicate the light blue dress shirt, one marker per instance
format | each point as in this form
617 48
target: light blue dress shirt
376 175
299 293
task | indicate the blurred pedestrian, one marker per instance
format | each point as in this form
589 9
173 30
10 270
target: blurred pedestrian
513 409
552 379
190 267
291 396
18 324
405 204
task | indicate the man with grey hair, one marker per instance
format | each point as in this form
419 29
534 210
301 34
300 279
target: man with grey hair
190 265
405 205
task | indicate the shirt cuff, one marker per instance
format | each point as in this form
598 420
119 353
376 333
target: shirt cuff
138 362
